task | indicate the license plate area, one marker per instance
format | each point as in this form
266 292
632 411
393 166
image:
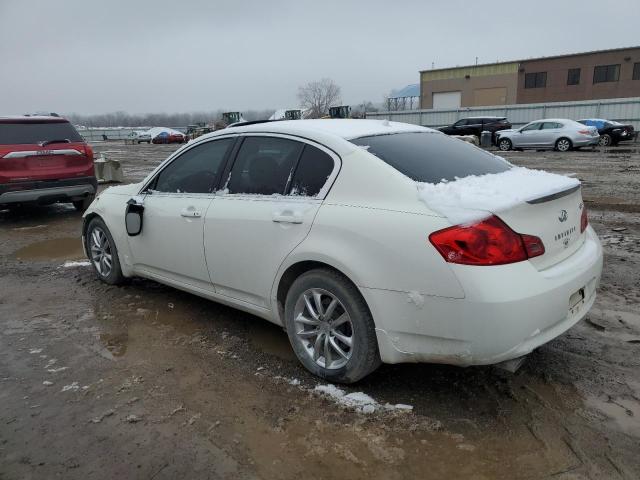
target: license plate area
576 301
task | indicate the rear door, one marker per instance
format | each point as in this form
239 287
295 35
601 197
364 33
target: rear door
276 185
549 133
36 150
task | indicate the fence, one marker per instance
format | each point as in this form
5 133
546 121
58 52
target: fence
625 110
91 134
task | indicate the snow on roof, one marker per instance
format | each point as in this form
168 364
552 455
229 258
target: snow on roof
343 127
412 90
473 198
155 131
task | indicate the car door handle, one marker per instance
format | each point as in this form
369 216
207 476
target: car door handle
190 212
286 218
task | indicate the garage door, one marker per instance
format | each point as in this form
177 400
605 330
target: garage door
447 99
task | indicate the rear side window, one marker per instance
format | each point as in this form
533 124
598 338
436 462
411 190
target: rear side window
312 172
196 170
431 157
264 165
33 133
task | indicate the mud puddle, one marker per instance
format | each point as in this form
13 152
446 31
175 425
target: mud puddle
271 339
67 248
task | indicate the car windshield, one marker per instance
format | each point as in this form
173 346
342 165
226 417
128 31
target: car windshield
431 157
33 133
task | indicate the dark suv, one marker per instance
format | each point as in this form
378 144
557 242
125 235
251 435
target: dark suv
476 125
44 160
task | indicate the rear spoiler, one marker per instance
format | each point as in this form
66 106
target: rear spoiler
553 196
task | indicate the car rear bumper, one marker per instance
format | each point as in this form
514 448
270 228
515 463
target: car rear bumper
48 191
507 312
586 141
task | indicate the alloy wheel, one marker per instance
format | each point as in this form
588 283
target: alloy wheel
604 141
563 145
101 254
324 328
504 145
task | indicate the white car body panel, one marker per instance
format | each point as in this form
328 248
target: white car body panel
372 227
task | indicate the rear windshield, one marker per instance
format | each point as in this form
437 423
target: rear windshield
21 133
431 157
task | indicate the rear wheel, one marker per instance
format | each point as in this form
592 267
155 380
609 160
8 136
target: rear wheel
605 140
563 144
330 327
504 144
102 252
82 205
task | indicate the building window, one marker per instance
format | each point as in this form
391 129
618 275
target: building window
535 80
573 78
606 73
636 71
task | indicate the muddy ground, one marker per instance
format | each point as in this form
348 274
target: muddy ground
144 381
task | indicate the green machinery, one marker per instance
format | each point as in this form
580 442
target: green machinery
293 115
343 111
200 128
231 117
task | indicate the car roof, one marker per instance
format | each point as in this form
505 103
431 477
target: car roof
344 128
32 119
485 116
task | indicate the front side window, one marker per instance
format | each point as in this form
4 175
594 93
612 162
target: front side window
312 172
460 123
196 170
606 73
264 165
573 77
431 157
535 80
636 71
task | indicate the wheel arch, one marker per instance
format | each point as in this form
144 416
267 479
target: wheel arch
292 271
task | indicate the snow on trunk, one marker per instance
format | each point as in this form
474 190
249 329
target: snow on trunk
474 198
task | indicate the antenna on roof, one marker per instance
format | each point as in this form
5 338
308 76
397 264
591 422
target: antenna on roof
476 60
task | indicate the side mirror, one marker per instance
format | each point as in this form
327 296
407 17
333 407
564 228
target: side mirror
133 217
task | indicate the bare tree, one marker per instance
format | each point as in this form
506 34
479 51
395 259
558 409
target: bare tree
318 96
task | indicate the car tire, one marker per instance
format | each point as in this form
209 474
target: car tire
504 144
326 316
563 144
605 140
102 252
82 205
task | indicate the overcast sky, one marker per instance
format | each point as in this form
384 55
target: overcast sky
172 56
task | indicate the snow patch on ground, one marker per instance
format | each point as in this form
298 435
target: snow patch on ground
80 263
359 401
475 197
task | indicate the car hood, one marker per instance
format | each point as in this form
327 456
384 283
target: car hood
506 130
129 189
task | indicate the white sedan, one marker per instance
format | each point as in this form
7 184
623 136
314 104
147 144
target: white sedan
368 241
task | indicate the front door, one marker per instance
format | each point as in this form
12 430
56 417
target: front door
275 189
170 246
529 135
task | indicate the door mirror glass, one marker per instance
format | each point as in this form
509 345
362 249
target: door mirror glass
133 219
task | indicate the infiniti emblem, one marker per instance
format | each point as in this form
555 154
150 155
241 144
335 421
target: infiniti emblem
563 216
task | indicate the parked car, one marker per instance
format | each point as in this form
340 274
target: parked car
44 160
611 132
477 125
315 225
560 134
143 137
169 137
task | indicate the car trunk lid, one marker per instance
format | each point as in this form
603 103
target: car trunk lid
555 219
32 151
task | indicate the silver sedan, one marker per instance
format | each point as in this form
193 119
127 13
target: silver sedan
557 133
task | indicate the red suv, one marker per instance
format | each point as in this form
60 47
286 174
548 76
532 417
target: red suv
44 160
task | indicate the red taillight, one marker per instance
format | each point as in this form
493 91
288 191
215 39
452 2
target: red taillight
584 132
584 219
88 151
489 242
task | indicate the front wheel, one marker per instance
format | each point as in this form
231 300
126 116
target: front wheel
102 252
563 145
330 327
504 144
